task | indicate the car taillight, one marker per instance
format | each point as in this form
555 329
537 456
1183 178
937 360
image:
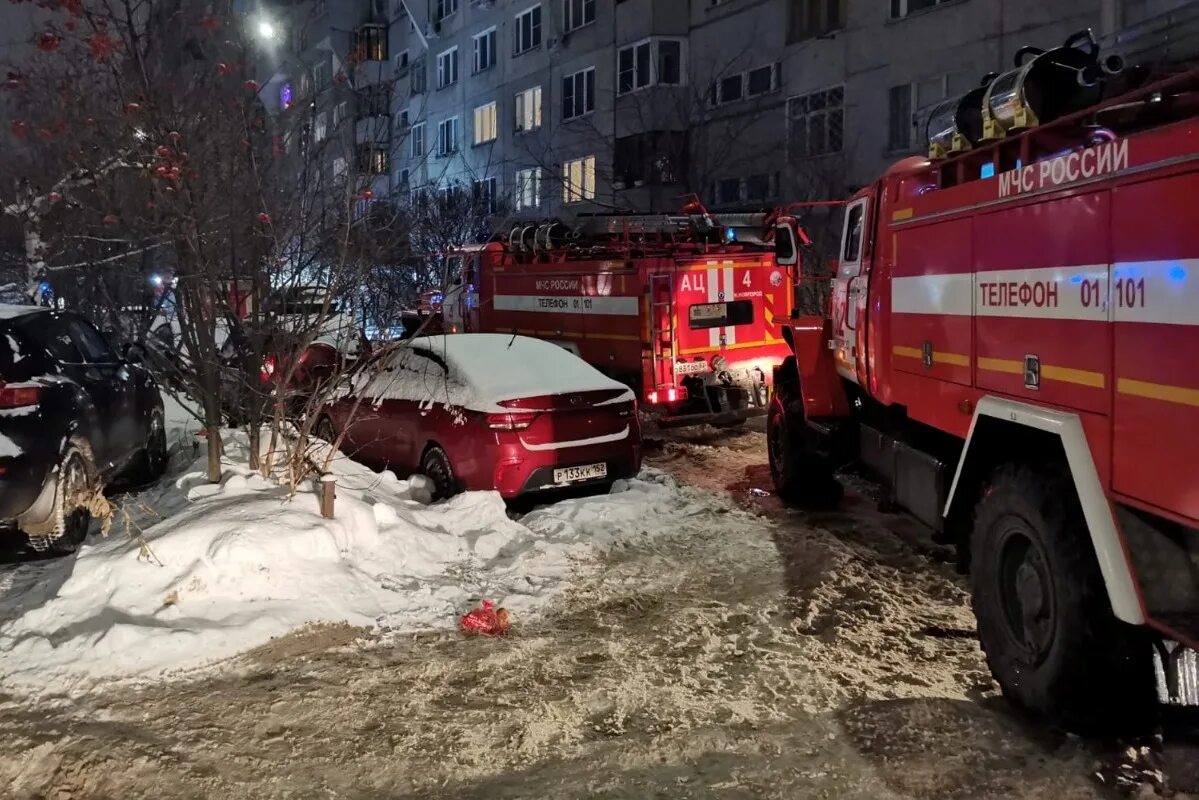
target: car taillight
511 421
19 396
268 368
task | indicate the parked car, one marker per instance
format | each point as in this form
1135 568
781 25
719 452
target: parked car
488 411
73 417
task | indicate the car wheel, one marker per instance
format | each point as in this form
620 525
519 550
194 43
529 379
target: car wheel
435 464
71 520
151 462
1044 619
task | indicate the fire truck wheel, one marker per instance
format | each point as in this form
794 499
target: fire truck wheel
1044 620
435 464
799 475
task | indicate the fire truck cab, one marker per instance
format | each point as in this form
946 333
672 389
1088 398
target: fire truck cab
687 309
1012 351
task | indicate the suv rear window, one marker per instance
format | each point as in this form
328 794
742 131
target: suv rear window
720 315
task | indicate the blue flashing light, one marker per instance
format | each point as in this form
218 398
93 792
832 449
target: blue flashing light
44 287
730 234
1076 278
1177 273
987 171
1019 163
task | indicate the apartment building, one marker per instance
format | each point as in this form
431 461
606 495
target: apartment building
558 107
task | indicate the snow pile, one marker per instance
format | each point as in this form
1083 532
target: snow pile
238 563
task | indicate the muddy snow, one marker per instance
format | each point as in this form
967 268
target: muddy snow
742 650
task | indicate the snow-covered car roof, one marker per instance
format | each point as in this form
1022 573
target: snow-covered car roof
485 369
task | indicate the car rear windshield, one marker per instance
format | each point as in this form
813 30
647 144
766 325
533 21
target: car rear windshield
720 315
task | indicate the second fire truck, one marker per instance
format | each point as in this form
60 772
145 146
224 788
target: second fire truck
688 309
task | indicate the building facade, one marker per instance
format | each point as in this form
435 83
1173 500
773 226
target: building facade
556 107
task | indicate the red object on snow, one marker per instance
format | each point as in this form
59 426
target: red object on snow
486 620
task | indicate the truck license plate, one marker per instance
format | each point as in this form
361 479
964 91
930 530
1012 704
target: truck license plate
572 474
690 367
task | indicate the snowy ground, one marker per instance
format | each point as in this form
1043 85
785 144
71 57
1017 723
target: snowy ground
740 649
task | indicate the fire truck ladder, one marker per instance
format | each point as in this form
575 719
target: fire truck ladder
661 298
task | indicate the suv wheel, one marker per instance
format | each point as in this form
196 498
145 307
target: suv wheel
72 518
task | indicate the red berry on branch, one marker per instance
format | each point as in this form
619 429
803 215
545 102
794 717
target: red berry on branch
223 68
151 204
132 108
20 128
111 219
163 151
264 218
48 42
54 197
252 86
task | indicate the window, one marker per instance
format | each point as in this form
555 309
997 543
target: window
809 19
401 62
372 158
578 94
730 89
370 43
483 194
447 68
652 157
322 76
702 316
728 190
816 123
528 30
670 62
485 124
320 128
578 180
528 188
853 234
528 109
899 126
402 120
762 187
632 68
318 8
902 8
402 177
577 13
762 80
652 61
374 101
445 8
447 136
341 112
416 76
416 140
485 50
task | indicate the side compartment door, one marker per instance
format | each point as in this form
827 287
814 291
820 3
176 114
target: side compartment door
1155 314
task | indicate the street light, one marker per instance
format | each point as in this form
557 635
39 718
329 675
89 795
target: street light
266 30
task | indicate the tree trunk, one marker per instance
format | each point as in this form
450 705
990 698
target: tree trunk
212 422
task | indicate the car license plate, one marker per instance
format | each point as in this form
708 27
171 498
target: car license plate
572 474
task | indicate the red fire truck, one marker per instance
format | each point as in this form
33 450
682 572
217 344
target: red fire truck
686 309
1013 350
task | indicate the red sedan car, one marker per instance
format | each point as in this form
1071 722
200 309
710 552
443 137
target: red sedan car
488 411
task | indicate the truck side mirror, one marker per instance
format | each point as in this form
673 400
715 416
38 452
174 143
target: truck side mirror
786 248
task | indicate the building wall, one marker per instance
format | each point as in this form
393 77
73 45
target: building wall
841 102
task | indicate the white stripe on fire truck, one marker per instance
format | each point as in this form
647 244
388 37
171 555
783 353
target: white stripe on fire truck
713 293
1165 292
730 291
571 304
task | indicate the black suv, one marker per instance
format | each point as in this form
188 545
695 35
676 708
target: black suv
73 417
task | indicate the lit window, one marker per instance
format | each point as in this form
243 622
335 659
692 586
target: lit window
528 188
527 33
578 93
578 180
485 50
370 43
447 68
528 109
372 158
485 124
577 13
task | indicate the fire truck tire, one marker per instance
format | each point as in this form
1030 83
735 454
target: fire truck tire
1044 620
435 465
799 475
